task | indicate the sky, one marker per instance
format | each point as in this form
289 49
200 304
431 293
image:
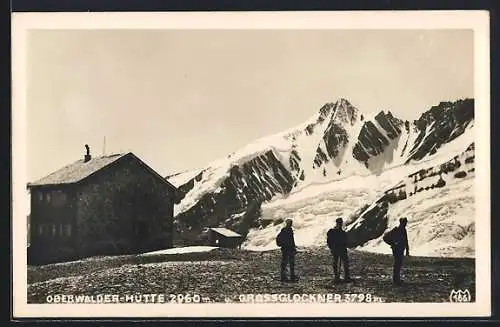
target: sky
180 99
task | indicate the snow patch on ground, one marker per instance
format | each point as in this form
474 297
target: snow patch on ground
181 250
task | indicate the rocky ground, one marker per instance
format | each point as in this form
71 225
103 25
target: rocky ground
222 275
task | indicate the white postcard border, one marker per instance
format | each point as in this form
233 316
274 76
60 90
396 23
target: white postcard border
476 20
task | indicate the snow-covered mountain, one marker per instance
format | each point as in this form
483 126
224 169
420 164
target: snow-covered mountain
338 160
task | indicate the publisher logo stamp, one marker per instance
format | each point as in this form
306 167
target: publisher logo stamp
460 296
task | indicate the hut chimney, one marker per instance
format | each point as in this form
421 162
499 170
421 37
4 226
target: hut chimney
87 155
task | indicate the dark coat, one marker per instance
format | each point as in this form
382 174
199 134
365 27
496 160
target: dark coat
400 239
337 239
287 240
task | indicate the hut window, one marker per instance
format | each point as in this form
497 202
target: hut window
60 229
47 196
59 197
53 230
40 196
68 230
40 229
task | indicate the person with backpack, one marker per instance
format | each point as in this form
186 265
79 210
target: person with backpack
337 242
286 242
397 238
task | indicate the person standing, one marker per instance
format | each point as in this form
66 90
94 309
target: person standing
337 242
397 238
286 241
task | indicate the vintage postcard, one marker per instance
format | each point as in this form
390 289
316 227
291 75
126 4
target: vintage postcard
259 164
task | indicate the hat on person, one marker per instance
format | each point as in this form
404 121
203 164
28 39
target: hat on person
339 220
403 220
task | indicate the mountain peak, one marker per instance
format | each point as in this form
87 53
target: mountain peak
339 103
345 112
343 101
340 111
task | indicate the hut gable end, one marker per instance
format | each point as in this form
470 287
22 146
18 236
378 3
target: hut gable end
137 210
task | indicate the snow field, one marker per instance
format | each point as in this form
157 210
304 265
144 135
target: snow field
440 222
312 217
442 219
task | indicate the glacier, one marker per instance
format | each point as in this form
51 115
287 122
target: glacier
339 162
